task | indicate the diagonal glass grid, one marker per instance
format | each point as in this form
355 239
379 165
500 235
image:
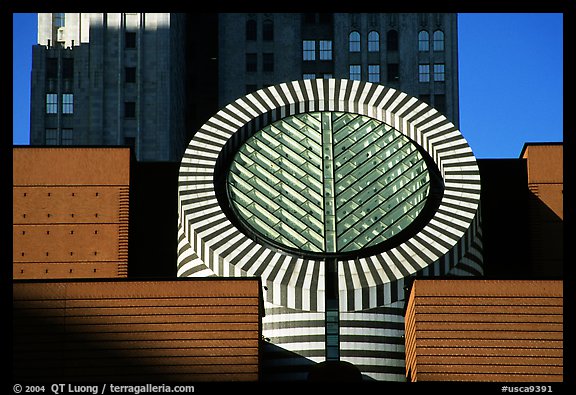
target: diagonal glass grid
328 182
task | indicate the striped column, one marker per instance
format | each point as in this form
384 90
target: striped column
371 288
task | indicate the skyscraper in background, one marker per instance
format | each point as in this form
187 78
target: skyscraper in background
416 53
150 80
110 79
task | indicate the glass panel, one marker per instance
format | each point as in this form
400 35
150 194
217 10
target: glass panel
328 182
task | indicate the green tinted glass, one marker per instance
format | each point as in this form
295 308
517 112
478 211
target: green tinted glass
328 182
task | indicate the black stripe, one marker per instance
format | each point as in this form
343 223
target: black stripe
385 267
286 279
467 190
472 162
205 141
198 209
299 339
199 199
285 99
429 247
315 94
195 149
398 265
437 239
417 115
442 122
236 107
314 285
257 95
261 269
193 191
402 104
379 100
349 286
216 231
363 283
267 92
234 114
253 259
448 223
238 258
274 272
215 135
364 353
374 339
300 283
451 139
454 156
408 258
370 324
293 323
427 260
348 91
463 208
251 105
409 110
377 280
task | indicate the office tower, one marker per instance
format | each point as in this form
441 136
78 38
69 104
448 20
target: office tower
110 79
416 53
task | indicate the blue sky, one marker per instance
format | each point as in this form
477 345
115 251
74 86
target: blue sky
510 76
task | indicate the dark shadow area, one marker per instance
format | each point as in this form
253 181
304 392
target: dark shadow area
546 238
332 371
504 206
44 351
202 70
153 226
522 236
274 366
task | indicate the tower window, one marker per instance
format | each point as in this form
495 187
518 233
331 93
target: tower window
309 50
424 73
439 72
130 39
251 30
325 49
51 103
51 136
68 68
67 137
374 73
59 19
67 103
129 109
392 40
251 62
51 68
355 72
423 41
440 103
393 72
130 74
438 40
354 41
268 62
268 30
373 41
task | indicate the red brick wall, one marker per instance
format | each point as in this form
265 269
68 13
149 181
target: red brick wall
70 212
485 330
138 331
